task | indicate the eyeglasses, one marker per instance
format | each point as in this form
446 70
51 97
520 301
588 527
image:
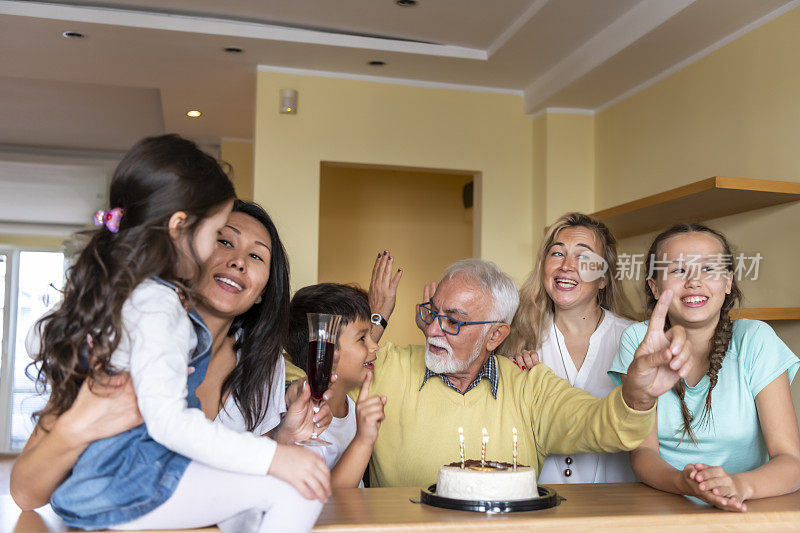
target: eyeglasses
451 326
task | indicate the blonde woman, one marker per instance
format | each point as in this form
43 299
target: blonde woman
571 316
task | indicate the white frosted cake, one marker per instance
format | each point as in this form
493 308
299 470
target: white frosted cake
495 481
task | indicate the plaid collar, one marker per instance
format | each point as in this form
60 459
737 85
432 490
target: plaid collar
489 371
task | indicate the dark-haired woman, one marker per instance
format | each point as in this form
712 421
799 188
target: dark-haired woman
728 432
244 296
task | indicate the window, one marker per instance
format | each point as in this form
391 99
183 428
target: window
32 281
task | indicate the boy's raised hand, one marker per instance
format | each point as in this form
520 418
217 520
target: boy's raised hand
369 413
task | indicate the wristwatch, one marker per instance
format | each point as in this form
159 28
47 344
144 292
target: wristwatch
378 320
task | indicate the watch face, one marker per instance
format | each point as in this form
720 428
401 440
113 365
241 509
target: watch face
375 318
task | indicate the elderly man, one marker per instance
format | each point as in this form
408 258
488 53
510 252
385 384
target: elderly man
455 380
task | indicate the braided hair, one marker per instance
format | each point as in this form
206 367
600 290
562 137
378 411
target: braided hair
722 333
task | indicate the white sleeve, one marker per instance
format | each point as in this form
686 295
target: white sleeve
278 398
159 337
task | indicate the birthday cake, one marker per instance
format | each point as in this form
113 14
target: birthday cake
491 480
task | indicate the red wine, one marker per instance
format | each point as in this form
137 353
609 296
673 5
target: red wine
320 365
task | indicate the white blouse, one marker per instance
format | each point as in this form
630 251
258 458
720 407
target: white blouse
231 416
592 377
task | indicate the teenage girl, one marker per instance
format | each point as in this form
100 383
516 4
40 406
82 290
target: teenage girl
728 432
127 307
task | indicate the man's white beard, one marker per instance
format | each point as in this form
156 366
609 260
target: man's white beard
447 364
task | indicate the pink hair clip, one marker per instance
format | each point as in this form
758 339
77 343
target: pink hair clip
110 219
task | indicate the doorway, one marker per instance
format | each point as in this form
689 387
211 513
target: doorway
423 217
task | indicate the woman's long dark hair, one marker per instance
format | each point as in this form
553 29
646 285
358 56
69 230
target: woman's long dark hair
158 177
264 328
722 333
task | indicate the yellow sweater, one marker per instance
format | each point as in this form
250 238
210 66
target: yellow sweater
420 432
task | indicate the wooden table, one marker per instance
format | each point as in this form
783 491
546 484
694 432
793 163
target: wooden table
599 507
602 507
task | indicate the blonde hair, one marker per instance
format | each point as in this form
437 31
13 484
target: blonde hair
536 310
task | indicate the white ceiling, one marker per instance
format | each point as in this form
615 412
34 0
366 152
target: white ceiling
468 23
144 63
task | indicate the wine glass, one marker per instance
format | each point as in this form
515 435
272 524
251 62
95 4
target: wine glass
322 332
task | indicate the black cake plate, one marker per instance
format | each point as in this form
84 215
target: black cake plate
546 500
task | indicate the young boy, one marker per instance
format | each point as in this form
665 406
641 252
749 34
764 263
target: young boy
355 425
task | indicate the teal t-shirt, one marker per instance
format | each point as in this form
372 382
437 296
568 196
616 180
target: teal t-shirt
733 438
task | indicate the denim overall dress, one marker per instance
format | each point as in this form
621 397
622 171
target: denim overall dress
121 478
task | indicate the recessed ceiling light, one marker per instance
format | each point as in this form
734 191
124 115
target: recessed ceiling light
73 35
233 50
194 113
376 63
406 3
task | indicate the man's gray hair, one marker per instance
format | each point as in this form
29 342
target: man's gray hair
492 280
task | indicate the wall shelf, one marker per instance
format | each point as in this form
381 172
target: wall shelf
703 200
767 313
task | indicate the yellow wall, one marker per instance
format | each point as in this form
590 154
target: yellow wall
239 155
569 164
733 113
563 169
356 222
366 122
33 241
539 207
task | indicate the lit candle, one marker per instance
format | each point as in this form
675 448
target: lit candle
514 440
461 445
484 442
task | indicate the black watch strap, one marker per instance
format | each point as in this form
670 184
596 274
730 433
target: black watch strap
378 320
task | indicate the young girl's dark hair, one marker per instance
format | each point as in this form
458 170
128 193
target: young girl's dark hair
723 331
158 177
264 330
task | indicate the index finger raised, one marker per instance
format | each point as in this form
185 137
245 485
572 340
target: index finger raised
363 394
659 316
